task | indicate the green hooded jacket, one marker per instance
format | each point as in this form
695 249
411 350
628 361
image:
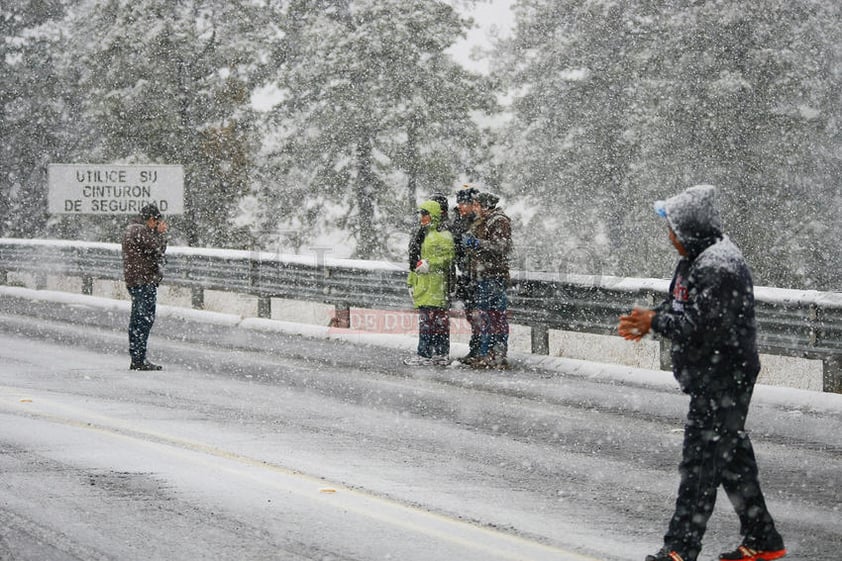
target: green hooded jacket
430 289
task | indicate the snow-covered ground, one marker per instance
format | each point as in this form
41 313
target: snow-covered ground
252 418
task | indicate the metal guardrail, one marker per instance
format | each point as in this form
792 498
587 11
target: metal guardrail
793 323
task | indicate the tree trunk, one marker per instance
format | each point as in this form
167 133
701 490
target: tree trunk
366 240
412 167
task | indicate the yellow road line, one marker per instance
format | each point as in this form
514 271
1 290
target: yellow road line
390 511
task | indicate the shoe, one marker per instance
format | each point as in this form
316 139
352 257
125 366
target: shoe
482 363
468 360
744 553
441 360
501 363
490 362
418 360
145 365
665 555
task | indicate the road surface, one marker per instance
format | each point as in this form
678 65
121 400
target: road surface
264 446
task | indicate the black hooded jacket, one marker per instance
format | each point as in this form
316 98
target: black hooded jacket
709 313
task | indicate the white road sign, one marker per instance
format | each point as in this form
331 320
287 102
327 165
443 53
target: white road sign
114 189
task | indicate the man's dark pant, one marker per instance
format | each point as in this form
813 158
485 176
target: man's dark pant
491 304
717 450
144 301
466 292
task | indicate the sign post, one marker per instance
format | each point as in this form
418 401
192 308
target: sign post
114 189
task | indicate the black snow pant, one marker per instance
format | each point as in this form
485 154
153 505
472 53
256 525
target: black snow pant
718 451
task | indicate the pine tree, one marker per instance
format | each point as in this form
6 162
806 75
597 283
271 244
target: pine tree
374 112
32 114
574 67
620 103
750 104
168 82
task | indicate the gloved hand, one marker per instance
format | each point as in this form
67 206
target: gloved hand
423 266
470 241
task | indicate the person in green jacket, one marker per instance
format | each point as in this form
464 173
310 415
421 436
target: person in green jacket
428 285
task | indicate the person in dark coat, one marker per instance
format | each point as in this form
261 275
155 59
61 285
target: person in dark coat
488 244
709 318
464 286
144 245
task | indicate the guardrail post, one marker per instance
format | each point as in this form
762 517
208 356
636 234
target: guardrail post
87 285
40 281
197 297
264 307
540 339
341 316
832 374
4 277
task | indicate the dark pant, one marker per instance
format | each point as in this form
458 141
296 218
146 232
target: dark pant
466 292
472 315
433 332
491 304
717 450
144 300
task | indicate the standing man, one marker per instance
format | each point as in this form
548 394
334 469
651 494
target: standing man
488 244
464 288
427 283
709 317
144 244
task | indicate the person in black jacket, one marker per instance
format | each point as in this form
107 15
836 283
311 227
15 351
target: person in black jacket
464 287
709 318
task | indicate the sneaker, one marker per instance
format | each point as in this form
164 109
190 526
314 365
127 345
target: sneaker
145 365
418 360
665 555
441 360
744 553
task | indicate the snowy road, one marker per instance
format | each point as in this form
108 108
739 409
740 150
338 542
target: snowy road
257 445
